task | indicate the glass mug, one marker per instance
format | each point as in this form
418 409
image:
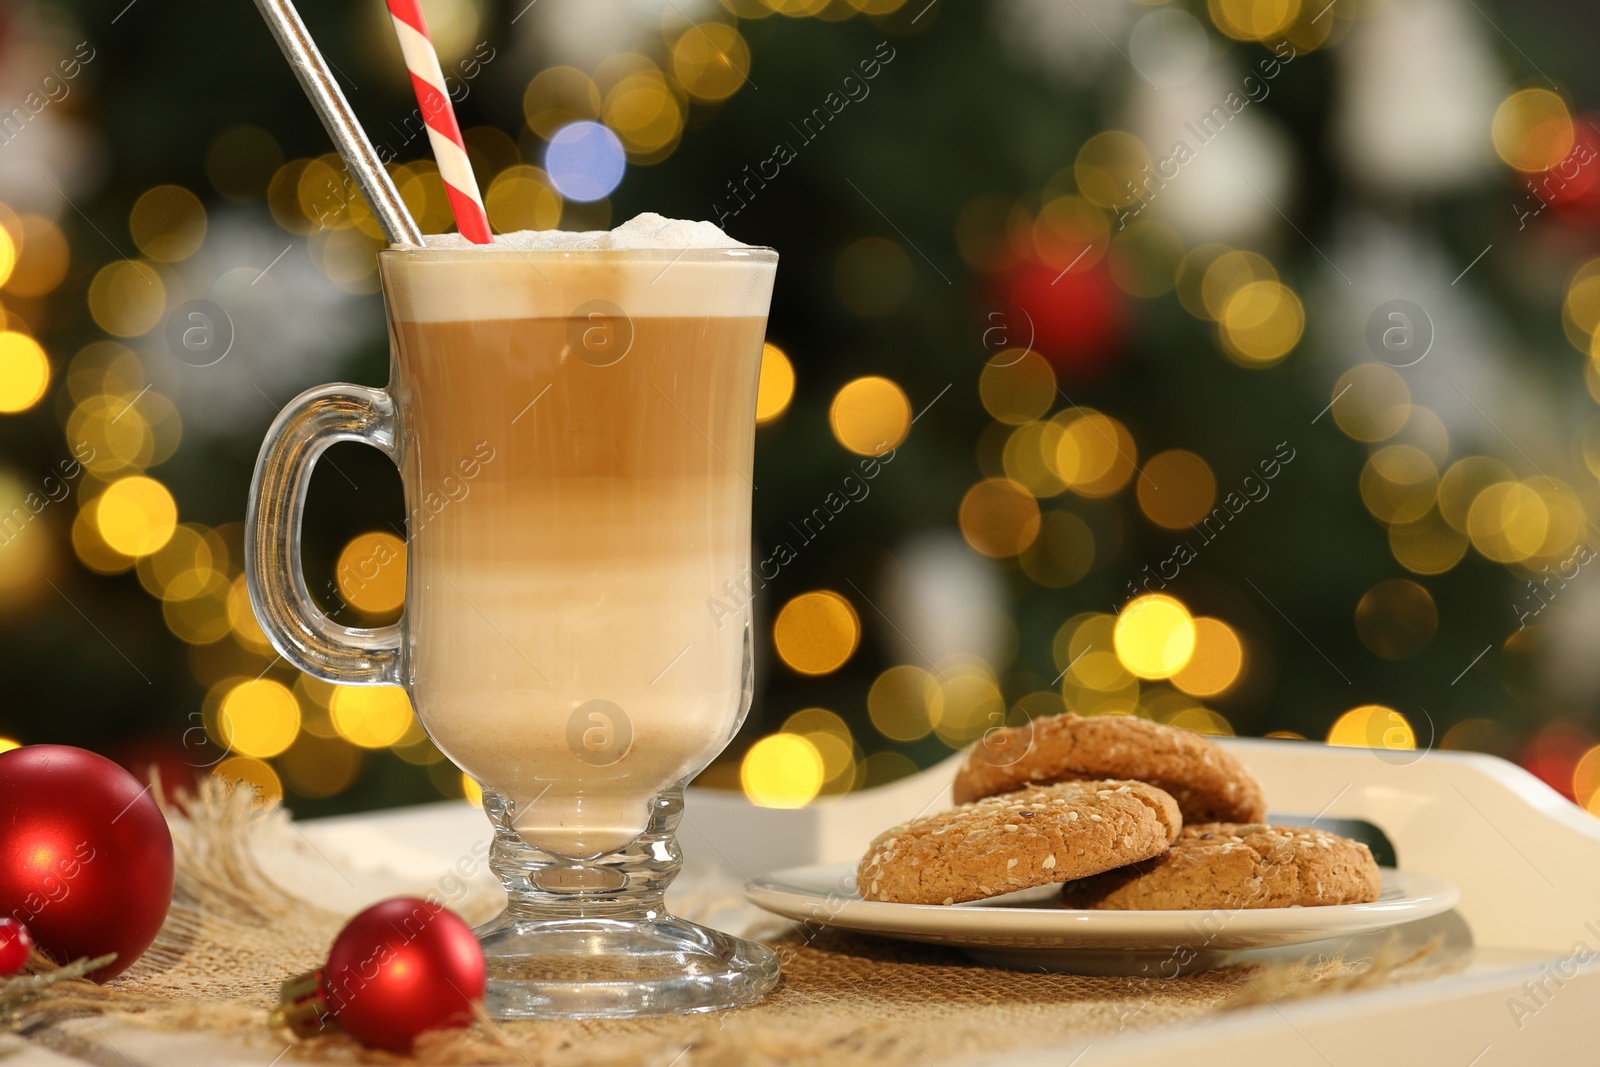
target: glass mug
575 434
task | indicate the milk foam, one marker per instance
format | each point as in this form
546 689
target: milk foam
645 231
650 267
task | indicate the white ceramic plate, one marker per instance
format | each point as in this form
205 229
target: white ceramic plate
1028 929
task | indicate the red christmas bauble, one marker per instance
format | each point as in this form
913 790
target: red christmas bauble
85 855
1074 317
400 968
15 944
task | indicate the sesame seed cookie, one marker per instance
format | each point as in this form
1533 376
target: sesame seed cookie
1208 783
1227 865
1031 837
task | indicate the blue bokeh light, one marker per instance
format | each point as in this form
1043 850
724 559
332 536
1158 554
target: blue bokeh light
585 161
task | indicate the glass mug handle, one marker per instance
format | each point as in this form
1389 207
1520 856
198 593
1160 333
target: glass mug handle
296 626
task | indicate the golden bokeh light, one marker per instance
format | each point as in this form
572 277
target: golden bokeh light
136 515
1216 663
1071 234
90 548
1568 521
711 61
1463 481
105 368
1201 721
317 767
970 703
283 197
371 572
259 718
1025 458
876 7
371 716
1188 281
1110 169
776 386
7 744
1586 780
1061 554
1262 323
1399 484
127 298
1532 130
1370 402
1396 619
1580 309
644 114
252 774
9 252
348 257
816 633
242 619
325 194
1095 454
1430 545
1017 386
181 568
1227 274
1177 489
1372 726
1426 431
1508 522
557 97
999 517
782 771
1087 700
168 223
870 415
1589 439
424 193
1253 20
24 372
42 259
124 431
905 703
522 198
835 747
201 619
1154 636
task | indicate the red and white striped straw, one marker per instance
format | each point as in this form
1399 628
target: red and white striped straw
449 151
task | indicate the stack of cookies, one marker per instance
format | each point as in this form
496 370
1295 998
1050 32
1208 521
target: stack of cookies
1124 814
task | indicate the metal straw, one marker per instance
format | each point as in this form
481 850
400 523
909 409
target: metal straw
360 158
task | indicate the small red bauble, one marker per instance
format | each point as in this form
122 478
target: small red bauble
85 855
15 944
400 968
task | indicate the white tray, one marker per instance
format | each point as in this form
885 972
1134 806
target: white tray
1526 862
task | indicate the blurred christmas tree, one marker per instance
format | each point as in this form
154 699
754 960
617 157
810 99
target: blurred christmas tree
1214 365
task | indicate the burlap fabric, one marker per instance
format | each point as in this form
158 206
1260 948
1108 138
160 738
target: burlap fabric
234 935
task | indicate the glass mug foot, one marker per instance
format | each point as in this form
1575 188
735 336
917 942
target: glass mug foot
609 968
591 938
